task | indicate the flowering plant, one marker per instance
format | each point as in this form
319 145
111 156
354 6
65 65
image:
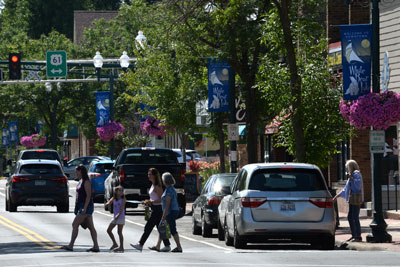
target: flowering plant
194 166
153 127
33 140
376 110
110 131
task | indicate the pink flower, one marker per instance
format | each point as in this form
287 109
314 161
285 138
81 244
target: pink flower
153 127
109 131
376 110
33 140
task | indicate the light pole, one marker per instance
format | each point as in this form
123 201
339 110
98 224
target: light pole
53 115
98 64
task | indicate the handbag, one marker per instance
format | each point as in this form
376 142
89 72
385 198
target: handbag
355 198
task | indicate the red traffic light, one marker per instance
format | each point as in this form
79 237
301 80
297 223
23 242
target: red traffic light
14 58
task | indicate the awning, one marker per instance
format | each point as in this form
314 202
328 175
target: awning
273 126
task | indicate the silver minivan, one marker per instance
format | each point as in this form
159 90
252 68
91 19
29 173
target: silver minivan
278 201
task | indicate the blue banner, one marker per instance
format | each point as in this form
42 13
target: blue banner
12 126
102 108
39 127
356 60
218 85
5 137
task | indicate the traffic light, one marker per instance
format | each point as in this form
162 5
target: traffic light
14 66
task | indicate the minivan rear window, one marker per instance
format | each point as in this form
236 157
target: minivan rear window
149 157
287 180
40 169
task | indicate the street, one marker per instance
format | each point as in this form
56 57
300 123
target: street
32 236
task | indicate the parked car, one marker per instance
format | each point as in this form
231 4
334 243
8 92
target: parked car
190 155
276 201
131 168
193 155
69 168
37 182
49 154
205 207
98 171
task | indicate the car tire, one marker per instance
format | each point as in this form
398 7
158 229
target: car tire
63 208
7 205
228 239
221 234
327 243
12 207
196 230
206 229
238 241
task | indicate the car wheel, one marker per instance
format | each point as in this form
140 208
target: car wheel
221 234
63 208
196 230
12 207
228 239
327 243
238 241
206 229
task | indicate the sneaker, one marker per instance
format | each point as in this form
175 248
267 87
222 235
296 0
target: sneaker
138 247
165 249
356 239
350 239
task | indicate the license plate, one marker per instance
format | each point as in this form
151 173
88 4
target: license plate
40 182
288 206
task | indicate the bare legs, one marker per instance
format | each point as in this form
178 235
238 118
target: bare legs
121 237
75 229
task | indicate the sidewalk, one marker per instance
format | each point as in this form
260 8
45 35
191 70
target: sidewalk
343 233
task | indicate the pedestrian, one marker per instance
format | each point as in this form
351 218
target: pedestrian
354 195
170 208
118 201
154 203
84 208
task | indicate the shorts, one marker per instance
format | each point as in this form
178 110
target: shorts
89 210
119 221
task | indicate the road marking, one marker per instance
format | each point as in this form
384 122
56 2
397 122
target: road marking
182 236
35 237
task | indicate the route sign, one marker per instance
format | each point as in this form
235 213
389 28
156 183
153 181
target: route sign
56 64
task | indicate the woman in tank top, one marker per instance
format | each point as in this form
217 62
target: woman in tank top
154 203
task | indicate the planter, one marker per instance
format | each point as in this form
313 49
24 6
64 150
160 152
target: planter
109 131
34 140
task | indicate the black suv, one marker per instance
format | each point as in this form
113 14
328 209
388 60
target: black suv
37 183
49 154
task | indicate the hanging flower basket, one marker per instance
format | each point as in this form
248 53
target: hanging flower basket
34 140
376 110
153 127
109 131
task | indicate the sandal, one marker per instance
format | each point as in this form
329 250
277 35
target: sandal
177 250
93 250
154 248
67 248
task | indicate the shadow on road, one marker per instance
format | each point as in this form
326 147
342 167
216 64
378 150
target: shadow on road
25 248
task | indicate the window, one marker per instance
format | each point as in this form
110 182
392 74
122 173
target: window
40 155
287 180
40 169
241 181
207 185
149 157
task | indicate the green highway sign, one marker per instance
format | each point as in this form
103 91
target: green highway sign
56 64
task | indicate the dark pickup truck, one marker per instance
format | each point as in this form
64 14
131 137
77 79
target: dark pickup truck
131 168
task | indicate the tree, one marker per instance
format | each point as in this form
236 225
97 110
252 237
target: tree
230 31
300 84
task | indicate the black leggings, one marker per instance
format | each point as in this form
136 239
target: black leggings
154 220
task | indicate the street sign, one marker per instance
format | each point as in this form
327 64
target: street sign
233 132
56 64
377 141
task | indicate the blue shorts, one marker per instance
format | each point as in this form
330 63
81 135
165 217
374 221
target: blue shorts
89 210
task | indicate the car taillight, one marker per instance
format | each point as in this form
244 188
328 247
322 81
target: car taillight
322 202
253 202
94 175
19 179
62 179
122 175
182 175
215 200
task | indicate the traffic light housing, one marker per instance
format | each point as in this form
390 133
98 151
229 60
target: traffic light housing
14 66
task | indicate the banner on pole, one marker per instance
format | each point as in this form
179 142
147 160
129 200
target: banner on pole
13 127
5 137
356 60
218 85
102 108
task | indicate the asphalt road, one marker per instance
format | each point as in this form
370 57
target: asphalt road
32 237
